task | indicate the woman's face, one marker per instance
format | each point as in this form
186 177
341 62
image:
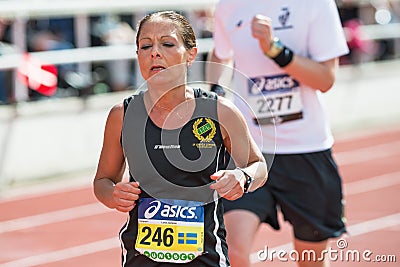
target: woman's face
161 47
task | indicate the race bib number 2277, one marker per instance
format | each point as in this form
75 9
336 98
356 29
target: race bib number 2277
275 97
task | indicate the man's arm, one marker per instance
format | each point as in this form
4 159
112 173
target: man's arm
218 71
317 75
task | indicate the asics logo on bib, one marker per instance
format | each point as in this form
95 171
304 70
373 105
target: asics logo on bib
262 85
169 211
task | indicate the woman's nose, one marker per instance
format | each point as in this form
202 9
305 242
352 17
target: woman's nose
155 52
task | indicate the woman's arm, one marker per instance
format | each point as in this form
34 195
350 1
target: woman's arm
244 151
108 185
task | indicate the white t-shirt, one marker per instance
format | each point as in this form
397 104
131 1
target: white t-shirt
310 28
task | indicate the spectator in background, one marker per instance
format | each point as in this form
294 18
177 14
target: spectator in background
3 92
49 35
361 49
63 28
112 31
48 41
4 75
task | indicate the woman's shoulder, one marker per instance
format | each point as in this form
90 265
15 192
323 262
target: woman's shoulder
117 108
227 110
225 104
116 113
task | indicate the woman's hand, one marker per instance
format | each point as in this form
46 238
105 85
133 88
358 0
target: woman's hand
125 195
229 183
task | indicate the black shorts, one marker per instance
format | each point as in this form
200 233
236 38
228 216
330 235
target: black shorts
307 189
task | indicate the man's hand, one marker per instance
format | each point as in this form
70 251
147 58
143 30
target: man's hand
261 29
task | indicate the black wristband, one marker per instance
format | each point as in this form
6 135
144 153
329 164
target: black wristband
248 181
284 57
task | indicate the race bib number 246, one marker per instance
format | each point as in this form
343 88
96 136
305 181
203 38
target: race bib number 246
170 230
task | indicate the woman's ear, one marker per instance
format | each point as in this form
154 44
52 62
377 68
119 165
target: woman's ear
192 56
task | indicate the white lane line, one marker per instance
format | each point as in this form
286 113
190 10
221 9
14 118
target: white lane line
365 134
96 208
370 184
112 243
63 184
52 217
367 154
374 225
107 244
352 188
75 181
65 254
354 230
342 158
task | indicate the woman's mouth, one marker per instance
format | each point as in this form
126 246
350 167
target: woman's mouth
157 68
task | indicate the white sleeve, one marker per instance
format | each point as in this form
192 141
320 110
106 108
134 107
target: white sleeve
223 48
326 36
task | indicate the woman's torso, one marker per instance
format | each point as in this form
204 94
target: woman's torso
177 216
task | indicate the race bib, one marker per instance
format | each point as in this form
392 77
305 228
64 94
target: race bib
170 230
275 99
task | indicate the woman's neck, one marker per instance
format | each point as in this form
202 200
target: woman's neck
170 99
172 109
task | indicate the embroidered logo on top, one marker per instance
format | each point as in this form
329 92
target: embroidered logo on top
204 131
283 19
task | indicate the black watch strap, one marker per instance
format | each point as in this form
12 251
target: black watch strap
248 181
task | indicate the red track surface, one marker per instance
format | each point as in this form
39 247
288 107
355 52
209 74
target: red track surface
70 228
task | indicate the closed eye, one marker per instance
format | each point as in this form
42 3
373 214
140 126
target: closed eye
145 47
168 44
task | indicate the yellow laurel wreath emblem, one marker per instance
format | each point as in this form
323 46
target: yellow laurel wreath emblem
196 133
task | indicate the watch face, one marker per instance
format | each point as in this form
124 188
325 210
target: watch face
276 48
278 43
249 180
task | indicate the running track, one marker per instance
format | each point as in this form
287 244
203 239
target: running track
66 226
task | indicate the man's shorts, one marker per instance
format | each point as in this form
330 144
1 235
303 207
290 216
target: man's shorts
306 188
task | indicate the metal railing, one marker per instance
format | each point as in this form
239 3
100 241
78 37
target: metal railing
14 9
20 11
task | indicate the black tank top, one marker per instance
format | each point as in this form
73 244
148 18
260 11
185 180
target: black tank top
174 166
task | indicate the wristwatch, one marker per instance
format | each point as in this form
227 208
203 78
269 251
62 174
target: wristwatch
248 181
275 49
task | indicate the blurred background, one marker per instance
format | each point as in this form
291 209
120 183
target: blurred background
65 63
